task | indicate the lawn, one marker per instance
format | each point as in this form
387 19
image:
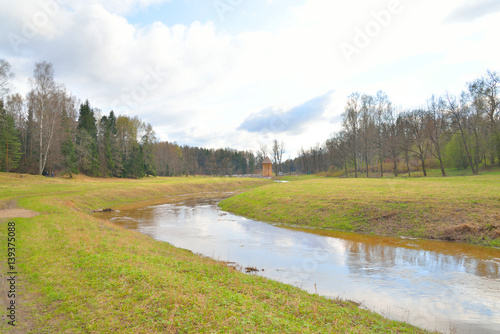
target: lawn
81 274
457 208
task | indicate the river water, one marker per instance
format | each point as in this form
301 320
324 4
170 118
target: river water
440 286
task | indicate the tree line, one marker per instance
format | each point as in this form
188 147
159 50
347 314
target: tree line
176 160
49 130
449 131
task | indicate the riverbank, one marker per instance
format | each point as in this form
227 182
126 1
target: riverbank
460 208
81 274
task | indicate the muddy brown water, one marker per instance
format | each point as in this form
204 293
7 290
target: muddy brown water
441 286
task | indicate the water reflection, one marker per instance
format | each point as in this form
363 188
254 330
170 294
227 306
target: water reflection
430 284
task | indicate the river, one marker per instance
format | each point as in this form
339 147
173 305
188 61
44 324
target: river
441 286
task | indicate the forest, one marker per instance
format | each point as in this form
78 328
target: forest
50 131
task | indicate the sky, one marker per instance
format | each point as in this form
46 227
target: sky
241 73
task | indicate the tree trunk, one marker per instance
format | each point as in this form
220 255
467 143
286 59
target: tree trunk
367 167
40 164
407 163
381 167
7 156
423 166
355 167
469 157
442 167
439 157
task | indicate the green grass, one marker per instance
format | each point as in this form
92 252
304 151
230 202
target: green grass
292 178
414 173
82 274
461 208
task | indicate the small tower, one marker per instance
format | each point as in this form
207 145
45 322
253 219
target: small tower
267 167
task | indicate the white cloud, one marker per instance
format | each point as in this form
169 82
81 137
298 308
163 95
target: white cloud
197 83
120 7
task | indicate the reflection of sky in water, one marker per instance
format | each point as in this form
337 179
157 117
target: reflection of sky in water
424 287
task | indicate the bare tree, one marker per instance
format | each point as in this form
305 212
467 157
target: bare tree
484 95
262 153
457 112
5 76
390 131
366 129
405 141
304 160
383 105
476 124
419 135
45 99
437 125
278 150
350 123
336 146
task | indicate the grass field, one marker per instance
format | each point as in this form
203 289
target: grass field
457 208
81 274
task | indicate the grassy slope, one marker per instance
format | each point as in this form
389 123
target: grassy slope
462 208
81 274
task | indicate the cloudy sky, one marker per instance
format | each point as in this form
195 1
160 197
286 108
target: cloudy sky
239 73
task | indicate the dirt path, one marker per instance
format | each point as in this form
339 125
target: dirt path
23 318
17 213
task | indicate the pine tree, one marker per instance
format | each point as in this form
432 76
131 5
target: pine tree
87 141
30 163
68 149
135 167
86 119
10 143
115 164
108 146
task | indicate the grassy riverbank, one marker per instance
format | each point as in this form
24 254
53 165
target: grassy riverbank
459 208
81 274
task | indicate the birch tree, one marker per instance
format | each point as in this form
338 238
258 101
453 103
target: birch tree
44 101
5 76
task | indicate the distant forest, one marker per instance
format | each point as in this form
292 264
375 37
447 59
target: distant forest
49 130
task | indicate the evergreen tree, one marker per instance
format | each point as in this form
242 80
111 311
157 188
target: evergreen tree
87 141
86 119
135 167
10 144
108 146
30 159
115 161
104 151
68 150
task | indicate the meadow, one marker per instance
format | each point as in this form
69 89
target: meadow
455 208
81 274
